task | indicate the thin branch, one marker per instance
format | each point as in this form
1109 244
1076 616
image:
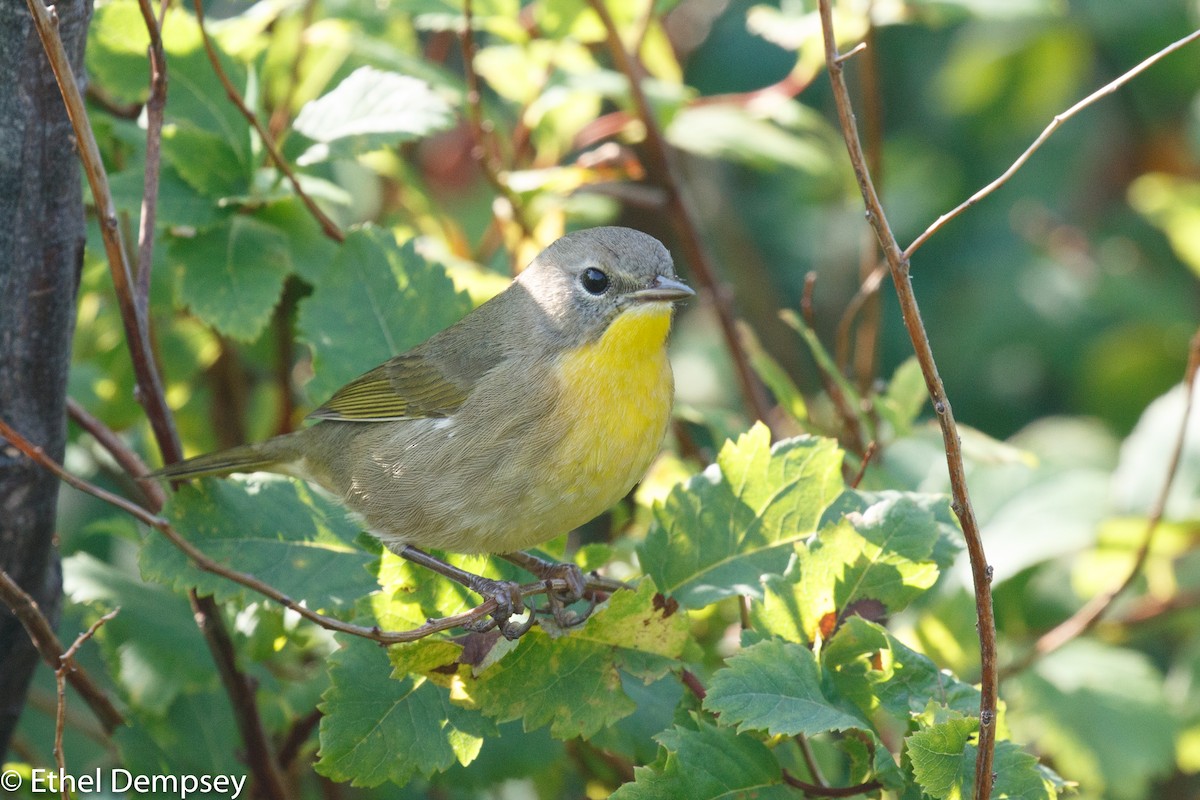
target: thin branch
872 449
299 732
812 790
659 164
692 682
149 386
241 689
155 105
810 760
203 562
128 460
483 144
41 633
329 227
66 666
279 117
1058 120
898 265
1086 618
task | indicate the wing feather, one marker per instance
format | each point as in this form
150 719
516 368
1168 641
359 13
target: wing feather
406 387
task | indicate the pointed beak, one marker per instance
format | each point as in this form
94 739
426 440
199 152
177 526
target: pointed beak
663 289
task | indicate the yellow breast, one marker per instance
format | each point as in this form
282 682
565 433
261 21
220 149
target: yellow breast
616 393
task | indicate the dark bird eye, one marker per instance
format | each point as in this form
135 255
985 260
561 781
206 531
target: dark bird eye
594 281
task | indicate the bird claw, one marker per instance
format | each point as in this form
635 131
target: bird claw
509 601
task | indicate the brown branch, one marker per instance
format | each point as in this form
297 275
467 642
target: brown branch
66 666
866 340
483 145
813 790
1086 618
128 460
898 265
203 562
297 735
810 760
328 226
154 124
282 111
149 386
692 682
243 703
41 633
658 159
1058 120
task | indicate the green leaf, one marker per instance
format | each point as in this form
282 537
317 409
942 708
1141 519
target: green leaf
376 728
1102 713
143 643
190 737
116 51
310 251
876 670
940 760
369 110
873 562
277 529
717 534
577 690
207 162
376 300
904 398
943 755
231 275
708 763
739 134
778 687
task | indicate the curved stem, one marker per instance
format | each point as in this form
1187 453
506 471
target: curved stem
981 573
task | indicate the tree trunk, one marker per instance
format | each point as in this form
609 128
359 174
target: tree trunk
41 251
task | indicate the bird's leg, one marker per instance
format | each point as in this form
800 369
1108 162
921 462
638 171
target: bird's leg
549 570
506 594
577 586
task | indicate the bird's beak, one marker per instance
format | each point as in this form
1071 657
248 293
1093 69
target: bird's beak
663 289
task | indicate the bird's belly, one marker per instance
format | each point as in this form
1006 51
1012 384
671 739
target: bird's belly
545 466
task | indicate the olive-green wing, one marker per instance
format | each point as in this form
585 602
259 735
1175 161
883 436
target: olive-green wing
406 387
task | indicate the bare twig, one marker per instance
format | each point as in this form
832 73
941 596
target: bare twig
329 227
872 449
1094 610
149 391
66 666
692 682
483 144
810 760
154 125
259 757
203 562
128 460
1058 120
41 633
297 735
659 164
898 265
282 111
812 790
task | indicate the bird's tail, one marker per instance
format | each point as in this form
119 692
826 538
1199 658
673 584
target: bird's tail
269 456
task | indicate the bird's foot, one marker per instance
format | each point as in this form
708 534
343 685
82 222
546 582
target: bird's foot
507 595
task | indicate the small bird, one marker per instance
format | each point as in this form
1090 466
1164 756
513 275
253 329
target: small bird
532 415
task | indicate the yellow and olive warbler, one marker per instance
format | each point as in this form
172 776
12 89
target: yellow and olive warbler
533 414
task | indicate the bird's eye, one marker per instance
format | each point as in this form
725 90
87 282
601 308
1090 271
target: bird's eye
594 280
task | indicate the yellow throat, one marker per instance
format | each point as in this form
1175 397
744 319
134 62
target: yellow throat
616 393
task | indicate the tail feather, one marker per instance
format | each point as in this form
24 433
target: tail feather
268 456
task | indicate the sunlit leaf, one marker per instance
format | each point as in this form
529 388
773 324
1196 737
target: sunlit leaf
718 533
